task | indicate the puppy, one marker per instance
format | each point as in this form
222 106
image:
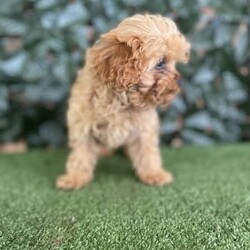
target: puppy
128 73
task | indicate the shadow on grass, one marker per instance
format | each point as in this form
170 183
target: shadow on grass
52 164
116 166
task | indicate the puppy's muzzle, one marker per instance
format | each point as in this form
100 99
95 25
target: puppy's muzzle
174 75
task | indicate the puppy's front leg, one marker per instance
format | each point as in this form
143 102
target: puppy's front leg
79 168
145 155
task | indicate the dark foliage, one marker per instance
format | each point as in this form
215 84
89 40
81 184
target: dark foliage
42 46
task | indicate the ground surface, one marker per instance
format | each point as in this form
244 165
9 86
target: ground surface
207 207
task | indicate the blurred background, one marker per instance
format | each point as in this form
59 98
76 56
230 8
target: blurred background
42 46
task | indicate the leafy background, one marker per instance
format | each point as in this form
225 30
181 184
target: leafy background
42 45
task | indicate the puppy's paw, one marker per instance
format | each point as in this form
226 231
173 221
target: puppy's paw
156 178
73 181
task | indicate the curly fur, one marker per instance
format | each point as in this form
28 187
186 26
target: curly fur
128 73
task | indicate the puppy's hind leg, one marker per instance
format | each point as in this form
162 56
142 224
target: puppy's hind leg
79 168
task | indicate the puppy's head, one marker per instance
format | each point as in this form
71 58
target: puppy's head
139 57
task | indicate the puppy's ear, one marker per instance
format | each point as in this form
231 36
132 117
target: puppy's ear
117 62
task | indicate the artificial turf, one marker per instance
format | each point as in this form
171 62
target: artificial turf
207 207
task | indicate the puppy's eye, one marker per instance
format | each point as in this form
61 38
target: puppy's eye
160 64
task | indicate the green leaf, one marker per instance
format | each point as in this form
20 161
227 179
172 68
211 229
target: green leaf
47 91
110 8
191 92
223 34
241 43
218 127
204 75
33 92
46 46
49 20
79 35
11 6
228 133
9 26
101 24
14 126
198 138
170 127
14 65
237 95
230 81
60 69
179 105
46 4
202 35
33 71
52 133
199 120
74 12
230 113
233 88
4 102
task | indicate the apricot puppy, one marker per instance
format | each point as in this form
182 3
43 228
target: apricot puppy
128 73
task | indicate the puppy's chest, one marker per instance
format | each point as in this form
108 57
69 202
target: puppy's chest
113 131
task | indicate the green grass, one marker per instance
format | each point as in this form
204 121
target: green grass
207 207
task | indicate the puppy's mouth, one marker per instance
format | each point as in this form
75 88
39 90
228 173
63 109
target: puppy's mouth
164 88
161 93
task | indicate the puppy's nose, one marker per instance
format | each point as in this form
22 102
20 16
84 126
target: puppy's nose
176 75
173 73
